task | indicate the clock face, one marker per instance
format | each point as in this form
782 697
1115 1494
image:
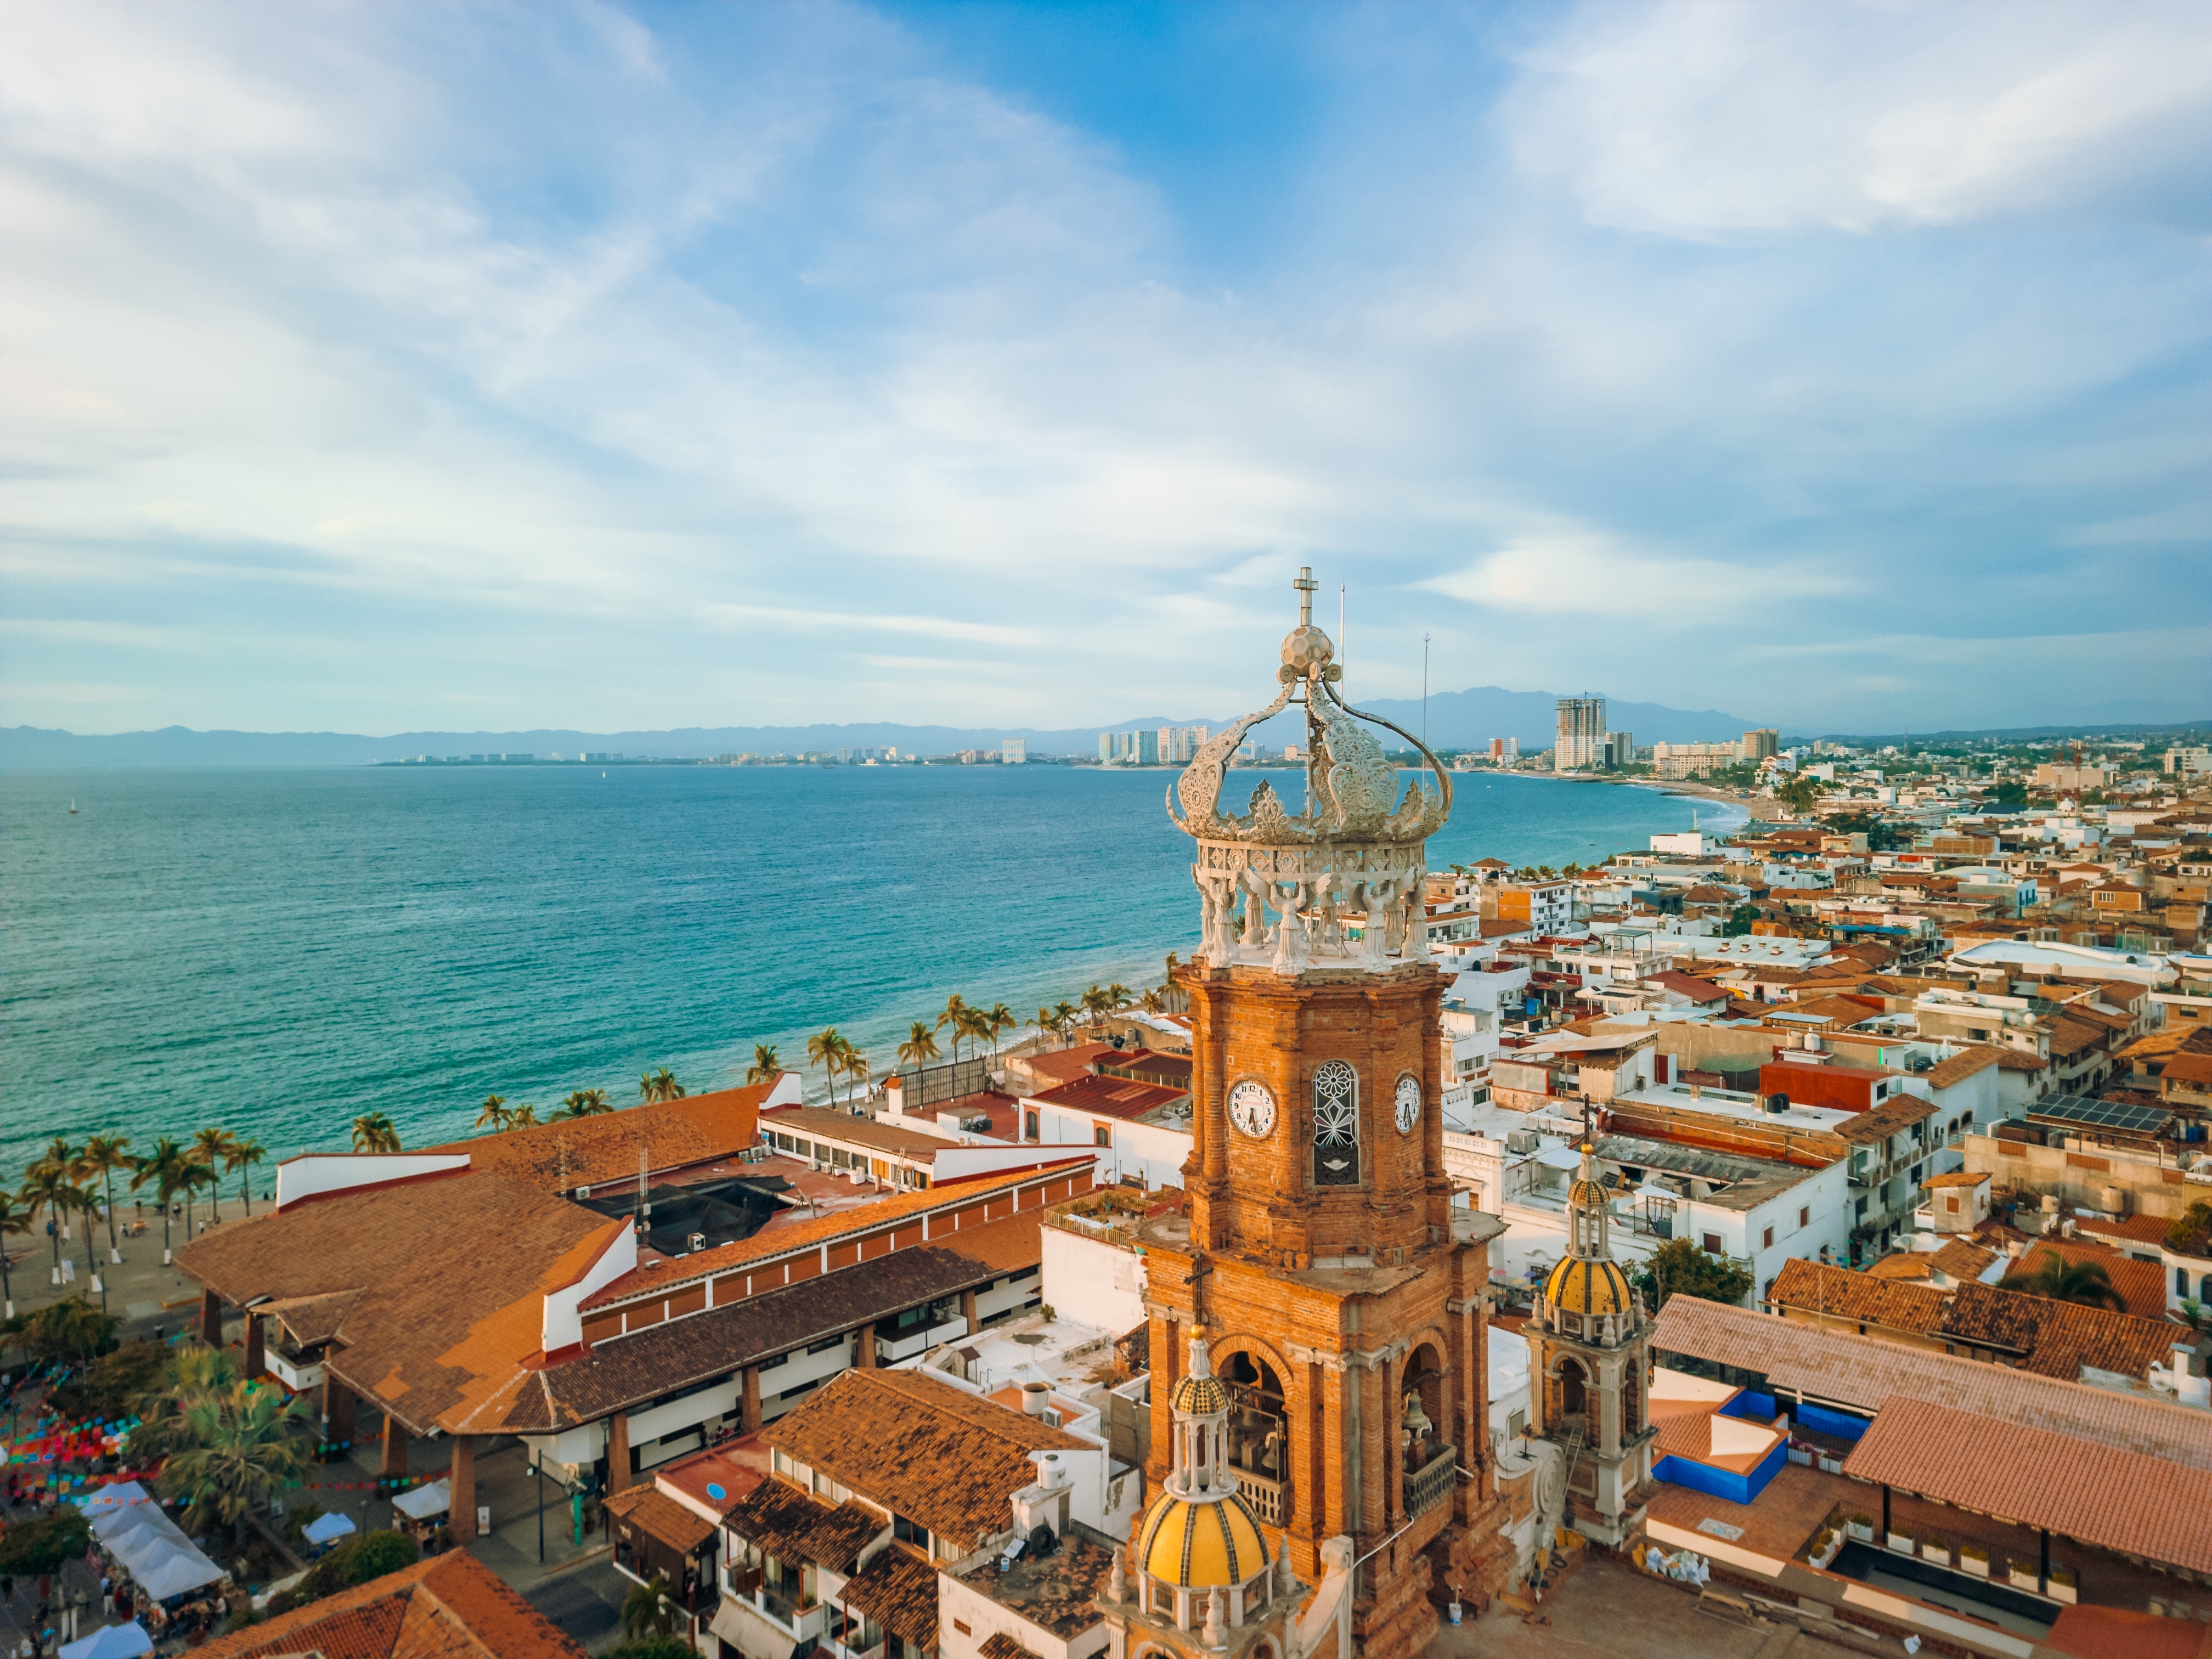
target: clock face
1252 1110
1409 1103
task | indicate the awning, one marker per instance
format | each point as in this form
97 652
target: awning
114 1642
327 1528
746 1631
423 1502
130 1527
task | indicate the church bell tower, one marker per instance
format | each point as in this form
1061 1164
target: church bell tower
1342 1297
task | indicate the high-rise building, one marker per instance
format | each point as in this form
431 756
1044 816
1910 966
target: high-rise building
1014 751
1498 749
1581 734
1761 744
1620 748
1179 745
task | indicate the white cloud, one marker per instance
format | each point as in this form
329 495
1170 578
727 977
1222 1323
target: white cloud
1697 118
1569 574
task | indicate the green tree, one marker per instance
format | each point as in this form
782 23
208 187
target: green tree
659 1086
1882 836
827 1049
193 1373
654 1647
51 1188
766 1067
60 1157
999 1020
376 1554
524 1116
2051 1275
244 1445
197 1178
12 1220
1801 792
1680 1267
955 1015
1064 1011
373 1132
164 1169
70 1331
1095 1005
492 1114
239 1157
586 1103
1047 1022
975 1024
103 1155
110 1387
920 1047
2189 1233
2009 796
31 1549
212 1147
645 1609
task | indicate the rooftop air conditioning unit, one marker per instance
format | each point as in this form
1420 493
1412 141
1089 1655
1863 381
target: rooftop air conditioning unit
1522 1140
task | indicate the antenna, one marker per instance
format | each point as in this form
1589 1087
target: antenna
1425 689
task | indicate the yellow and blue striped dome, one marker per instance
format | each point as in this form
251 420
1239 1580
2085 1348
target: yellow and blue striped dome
1200 1396
1581 1285
1201 1544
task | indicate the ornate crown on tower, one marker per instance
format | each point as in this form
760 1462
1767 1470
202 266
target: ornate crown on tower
1344 875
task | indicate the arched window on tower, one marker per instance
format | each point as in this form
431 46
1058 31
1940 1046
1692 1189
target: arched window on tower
1574 1393
1335 1124
1259 1436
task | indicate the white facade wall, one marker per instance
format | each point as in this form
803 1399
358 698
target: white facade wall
1155 1151
959 1606
1097 1282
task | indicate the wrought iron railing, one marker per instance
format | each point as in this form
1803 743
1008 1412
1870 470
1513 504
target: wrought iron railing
1430 1485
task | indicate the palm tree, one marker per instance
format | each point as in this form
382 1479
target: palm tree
766 1067
493 1114
1096 1004
196 1175
50 1188
1047 1022
1119 995
1064 1011
827 1049
524 1116
103 1155
586 1103
1153 1001
659 1086
955 1015
646 1610
249 1443
242 1156
920 1047
856 1067
165 1168
2053 1276
193 1372
372 1133
210 1148
12 1220
1000 1018
60 1156
976 1024
71 1331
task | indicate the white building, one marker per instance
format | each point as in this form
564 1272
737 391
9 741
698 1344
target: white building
1014 751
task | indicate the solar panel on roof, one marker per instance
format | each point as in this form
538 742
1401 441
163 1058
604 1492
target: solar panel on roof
2102 1114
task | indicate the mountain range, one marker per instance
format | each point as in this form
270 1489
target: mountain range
1454 719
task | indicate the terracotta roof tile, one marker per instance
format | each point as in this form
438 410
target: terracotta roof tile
1905 1265
1003 1646
2141 1284
2124 1501
1962 1260
571 1152
929 1450
448 1278
652 1511
1122 1097
1963 1064
2135 1229
1898 1112
1815 1287
1861 1372
899 1593
449 1606
678 1352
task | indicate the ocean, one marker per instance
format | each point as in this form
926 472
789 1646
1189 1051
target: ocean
277 951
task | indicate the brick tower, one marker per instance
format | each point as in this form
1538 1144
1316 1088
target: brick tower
1343 1305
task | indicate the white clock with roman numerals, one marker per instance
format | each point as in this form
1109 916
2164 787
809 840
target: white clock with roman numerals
1408 1103
1251 1109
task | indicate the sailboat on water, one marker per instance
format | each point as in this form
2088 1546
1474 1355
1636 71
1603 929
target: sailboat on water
72 806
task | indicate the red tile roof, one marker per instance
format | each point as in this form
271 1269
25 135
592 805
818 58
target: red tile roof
571 1152
450 1606
2118 1500
1112 1097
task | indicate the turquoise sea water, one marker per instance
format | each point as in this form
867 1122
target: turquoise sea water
278 951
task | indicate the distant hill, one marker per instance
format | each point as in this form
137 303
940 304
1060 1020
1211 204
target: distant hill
1455 720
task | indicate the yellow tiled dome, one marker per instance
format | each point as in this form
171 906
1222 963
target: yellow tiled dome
1583 1286
1588 1192
1200 1396
1201 1545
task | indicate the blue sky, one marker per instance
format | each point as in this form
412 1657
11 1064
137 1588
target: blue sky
408 367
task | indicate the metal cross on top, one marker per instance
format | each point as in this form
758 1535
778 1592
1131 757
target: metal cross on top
1307 586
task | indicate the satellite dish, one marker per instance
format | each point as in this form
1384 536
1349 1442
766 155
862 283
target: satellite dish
715 1492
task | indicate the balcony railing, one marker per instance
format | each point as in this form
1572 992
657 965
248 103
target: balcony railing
1270 1499
1430 1485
